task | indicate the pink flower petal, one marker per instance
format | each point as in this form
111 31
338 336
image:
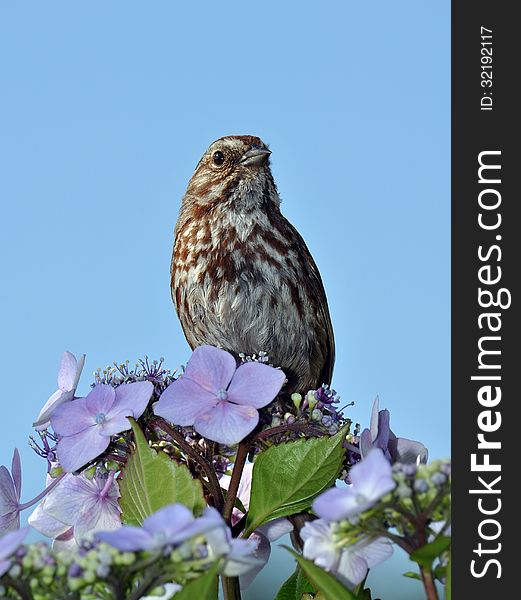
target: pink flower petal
255 384
372 476
373 427
76 496
212 368
261 553
16 472
72 417
115 422
8 496
337 504
209 521
374 551
77 450
275 529
45 524
9 522
352 568
133 397
127 539
184 401
42 421
67 372
10 542
319 545
101 399
227 423
97 515
169 520
356 559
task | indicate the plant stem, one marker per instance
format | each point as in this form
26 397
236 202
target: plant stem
297 427
238 467
146 585
231 588
19 586
41 495
213 482
428 584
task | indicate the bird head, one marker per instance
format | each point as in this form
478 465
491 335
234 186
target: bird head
234 168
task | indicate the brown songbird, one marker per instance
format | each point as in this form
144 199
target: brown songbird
243 278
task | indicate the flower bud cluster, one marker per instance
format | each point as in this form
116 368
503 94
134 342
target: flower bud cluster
144 370
93 567
316 408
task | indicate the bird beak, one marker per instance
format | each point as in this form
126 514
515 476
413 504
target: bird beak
255 157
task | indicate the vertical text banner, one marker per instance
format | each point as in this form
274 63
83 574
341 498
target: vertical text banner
486 268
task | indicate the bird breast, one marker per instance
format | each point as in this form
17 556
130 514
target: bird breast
233 283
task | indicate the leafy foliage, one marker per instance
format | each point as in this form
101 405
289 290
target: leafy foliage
295 586
426 555
288 477
152 480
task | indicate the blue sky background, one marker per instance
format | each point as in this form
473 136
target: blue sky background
105 109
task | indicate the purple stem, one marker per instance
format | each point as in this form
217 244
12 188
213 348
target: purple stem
41 495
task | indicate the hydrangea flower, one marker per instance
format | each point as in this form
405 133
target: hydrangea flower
76 508
371 479
170 525
86 425
349 563
10 490
241 556
68 377
218 398
379 435
8 544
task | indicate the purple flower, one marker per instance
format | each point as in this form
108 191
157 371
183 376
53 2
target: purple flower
68 377
242 557
8 544
349 563
356 560
396 449
170 525
371 479
10 490
217 398
319 545
76 508
86 425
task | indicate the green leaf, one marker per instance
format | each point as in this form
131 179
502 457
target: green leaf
239 505
288 590
412 575
426 555
304 586
325 583
205 587
151 480
288 477
295 586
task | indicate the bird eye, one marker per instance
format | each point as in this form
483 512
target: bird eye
218 158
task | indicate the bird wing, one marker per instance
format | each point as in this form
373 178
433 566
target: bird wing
323 317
